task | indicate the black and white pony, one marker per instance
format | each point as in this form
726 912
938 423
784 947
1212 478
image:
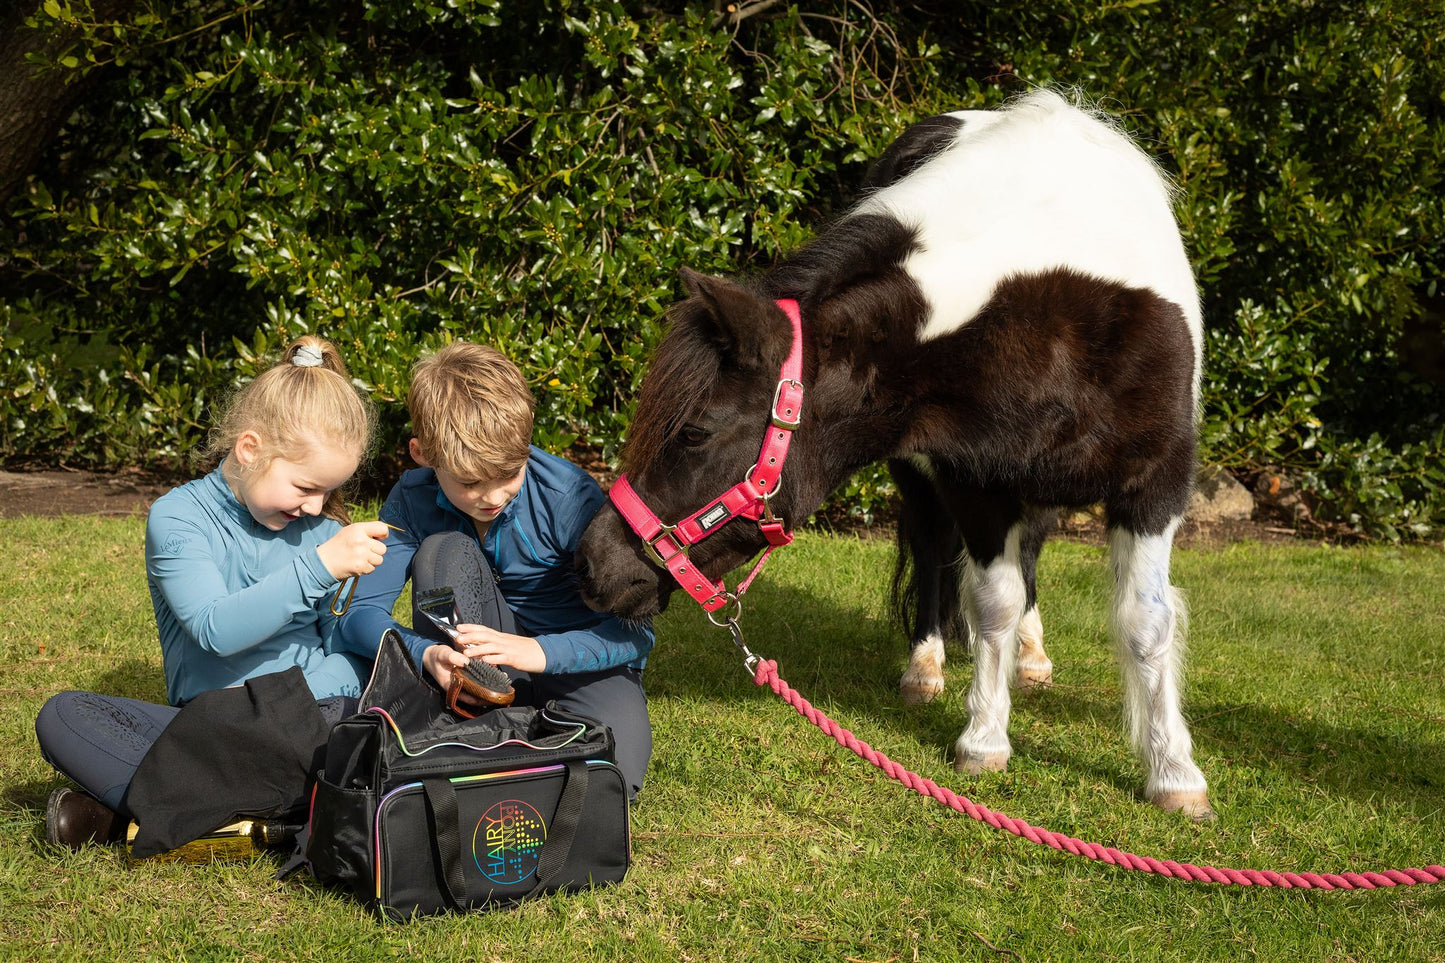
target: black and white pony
1010 320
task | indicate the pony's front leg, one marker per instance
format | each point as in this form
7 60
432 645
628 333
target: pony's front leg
1148 617
996 599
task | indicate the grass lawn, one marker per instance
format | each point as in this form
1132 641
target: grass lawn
1316 689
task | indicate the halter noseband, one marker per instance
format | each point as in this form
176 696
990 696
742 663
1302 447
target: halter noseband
668 544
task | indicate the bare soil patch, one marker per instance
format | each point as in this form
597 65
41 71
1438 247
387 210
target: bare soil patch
1087 527
53 493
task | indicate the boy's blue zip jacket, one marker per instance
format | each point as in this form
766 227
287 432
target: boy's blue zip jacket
530 547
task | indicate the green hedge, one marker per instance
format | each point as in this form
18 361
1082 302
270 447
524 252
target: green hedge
393 174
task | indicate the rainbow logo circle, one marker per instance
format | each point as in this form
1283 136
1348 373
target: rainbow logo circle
507 842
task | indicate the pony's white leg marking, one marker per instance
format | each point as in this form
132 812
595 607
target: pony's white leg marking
1034 667
996 597
1148 621
923 680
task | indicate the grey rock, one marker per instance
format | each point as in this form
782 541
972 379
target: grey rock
1219 498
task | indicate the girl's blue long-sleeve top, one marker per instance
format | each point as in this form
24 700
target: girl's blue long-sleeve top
530 547
234 599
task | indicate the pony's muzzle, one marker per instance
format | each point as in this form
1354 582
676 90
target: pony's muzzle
614 575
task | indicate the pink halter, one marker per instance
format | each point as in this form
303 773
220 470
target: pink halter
668 544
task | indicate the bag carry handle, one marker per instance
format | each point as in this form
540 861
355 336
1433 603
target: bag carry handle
564 825
441 798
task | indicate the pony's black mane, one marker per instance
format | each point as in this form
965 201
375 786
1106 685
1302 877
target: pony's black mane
687 366
850 251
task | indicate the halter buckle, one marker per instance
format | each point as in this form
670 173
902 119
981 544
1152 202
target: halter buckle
780 421
651 545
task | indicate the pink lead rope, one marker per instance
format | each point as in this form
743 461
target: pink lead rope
766 673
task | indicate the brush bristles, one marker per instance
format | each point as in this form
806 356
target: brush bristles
487 676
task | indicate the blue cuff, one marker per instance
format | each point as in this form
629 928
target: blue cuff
321 577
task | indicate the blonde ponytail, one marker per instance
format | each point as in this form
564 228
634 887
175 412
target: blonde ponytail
304 400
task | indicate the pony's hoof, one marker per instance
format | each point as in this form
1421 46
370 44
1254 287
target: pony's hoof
977 763
915 692
1035 676
1195 805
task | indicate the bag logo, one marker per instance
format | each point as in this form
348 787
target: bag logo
507 843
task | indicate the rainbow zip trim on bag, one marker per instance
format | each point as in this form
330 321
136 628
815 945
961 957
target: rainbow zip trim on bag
581 729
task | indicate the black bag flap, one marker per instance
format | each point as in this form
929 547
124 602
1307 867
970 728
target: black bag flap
393 675
405 728
407 697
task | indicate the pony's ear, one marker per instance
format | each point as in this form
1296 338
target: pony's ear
745 327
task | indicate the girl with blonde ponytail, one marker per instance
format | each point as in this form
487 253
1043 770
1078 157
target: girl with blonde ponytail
241 565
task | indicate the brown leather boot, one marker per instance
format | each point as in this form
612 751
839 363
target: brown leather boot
77 819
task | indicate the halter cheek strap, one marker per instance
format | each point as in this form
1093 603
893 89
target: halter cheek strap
668 544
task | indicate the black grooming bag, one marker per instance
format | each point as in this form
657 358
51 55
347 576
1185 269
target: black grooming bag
419 811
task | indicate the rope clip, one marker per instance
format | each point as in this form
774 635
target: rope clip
751 661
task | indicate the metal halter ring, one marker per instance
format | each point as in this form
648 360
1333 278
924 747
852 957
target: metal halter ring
727 620
765 496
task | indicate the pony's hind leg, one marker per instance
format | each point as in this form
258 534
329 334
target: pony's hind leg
925 583
1148 618
922 681
1033 667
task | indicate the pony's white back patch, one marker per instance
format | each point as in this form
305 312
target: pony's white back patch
1034 186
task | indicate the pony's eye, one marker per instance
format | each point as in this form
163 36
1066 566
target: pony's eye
692 435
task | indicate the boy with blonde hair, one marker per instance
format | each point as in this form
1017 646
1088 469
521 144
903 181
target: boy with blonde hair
498 520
